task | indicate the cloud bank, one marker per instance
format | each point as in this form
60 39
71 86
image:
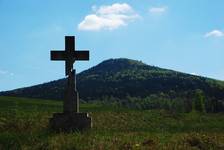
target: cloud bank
108 17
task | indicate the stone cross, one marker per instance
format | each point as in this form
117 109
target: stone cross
70 55
71 119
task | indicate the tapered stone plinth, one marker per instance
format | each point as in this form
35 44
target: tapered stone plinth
67 122
70 119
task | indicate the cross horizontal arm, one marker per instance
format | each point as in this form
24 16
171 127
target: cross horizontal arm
81 55
58 55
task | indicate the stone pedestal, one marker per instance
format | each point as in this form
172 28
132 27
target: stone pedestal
68 122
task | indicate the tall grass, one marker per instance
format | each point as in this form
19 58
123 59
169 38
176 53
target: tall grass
24 125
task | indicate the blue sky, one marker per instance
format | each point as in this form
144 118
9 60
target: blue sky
186 35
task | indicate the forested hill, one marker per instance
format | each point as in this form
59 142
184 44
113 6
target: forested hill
125 77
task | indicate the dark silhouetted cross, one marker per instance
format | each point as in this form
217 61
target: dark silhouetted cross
69 55
71 101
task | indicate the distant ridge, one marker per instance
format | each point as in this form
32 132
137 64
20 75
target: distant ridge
126 77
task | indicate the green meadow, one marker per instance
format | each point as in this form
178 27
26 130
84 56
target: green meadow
24 125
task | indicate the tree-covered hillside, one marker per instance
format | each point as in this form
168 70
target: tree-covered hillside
122 78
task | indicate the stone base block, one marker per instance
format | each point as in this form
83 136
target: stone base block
67 122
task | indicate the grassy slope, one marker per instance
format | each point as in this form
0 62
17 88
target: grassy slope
24 125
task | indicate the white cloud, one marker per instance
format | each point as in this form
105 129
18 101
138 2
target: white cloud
157 10
115 9
214 33
108 17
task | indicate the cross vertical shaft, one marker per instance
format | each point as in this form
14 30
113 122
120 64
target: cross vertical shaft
71 103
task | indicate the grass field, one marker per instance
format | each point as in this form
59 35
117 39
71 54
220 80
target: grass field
24 125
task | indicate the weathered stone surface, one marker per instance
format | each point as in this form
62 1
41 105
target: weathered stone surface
71 98
68 122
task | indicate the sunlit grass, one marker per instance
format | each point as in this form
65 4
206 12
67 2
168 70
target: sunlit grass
24 125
